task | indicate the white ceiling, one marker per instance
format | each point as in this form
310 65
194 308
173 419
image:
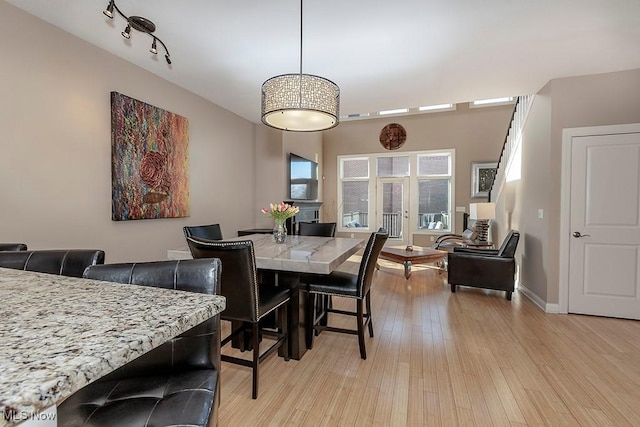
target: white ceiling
382 54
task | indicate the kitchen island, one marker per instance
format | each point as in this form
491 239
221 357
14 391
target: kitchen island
60 333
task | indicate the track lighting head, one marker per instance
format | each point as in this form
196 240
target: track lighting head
138 23
127 32
108 12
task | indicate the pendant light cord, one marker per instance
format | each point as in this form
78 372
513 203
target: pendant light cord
300 81
301 37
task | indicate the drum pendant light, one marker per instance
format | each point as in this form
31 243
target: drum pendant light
300 102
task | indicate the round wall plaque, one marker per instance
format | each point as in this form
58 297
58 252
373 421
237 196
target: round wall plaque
393 136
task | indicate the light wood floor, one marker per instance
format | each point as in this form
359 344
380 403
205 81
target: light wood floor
443 359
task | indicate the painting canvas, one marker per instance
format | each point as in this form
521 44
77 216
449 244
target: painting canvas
149 161
482 175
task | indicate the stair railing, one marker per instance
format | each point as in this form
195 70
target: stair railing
511 141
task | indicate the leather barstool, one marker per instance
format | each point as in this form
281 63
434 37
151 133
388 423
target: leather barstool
247 302
339 283
177 383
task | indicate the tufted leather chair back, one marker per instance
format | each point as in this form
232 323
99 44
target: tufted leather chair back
369 260
208 232
239 279
13 247
322 229
198 347
62 262
508 247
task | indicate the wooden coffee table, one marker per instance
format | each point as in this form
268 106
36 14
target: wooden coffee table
418 255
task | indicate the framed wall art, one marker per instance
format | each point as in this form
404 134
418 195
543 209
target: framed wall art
482 174
149 161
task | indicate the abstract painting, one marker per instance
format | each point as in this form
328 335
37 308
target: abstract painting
149 161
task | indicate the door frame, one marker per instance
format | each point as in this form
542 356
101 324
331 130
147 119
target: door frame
565 198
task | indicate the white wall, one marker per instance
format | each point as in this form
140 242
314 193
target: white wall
55 166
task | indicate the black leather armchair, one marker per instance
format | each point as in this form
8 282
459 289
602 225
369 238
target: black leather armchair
58 261
13 247
483 268
177 383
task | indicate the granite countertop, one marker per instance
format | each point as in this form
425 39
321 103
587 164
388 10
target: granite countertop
302 254
59 333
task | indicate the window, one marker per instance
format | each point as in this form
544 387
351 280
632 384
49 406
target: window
434 191
393 166
354 193
428 175
492 102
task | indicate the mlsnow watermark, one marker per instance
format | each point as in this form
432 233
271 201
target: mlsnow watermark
20 416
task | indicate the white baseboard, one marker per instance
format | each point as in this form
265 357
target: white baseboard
544 306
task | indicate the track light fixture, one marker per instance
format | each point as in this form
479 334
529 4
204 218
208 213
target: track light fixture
138 23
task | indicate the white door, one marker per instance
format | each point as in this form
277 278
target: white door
393 209
604 246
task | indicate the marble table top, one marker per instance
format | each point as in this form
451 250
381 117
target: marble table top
59 333
303 254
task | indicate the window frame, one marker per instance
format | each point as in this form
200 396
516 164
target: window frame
340 214
414 179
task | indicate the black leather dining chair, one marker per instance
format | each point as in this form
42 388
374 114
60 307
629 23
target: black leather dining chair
64 262
177 383
339 283
209 232
13 247
322 229
247 301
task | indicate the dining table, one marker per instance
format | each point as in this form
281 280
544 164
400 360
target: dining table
60 333
285 262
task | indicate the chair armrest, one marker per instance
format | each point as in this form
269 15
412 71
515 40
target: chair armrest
477 251
448 236
473 256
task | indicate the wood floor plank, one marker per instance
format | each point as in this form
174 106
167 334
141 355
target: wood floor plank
400 402
525 404
456 376
431 410
504 394
416 410
443 359
446 402
479 407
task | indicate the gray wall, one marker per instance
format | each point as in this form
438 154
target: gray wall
595 100
271 165
55 165
477 134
